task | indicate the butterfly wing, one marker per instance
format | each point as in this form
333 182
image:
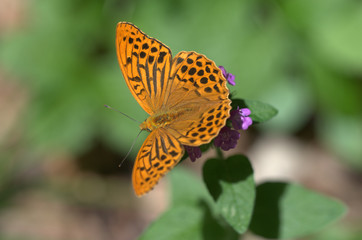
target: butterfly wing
198 90
145 63
159 153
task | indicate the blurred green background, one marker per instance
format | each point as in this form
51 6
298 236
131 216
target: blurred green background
60 147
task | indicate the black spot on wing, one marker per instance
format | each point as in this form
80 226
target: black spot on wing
161 57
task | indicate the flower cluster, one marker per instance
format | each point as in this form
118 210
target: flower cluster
240 118
193 152
229 77
228 137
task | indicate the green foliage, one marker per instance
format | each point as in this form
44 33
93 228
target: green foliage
285 211
231 184
66 59
260 112
280 210
191 215
188 222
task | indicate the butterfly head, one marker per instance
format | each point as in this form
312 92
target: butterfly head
146 126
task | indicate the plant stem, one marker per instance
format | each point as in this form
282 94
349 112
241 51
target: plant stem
219 153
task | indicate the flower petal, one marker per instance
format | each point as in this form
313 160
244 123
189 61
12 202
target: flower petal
228 76
245 112
246 123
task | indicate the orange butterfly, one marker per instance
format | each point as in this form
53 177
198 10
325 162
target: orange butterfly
185 96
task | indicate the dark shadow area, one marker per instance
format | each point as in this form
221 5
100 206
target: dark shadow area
265 221
104 161
307 131
237 102
232 170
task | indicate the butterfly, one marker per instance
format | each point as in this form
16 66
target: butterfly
186 98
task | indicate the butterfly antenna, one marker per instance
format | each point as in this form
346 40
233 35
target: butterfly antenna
134 141
122 114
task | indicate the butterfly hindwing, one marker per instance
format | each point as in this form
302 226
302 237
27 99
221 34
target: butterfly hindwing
159 153
199 87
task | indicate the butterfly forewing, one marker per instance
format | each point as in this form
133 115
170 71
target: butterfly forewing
145 63
159 153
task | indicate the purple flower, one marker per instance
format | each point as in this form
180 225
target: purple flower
229 77
193 152
227 138
239 118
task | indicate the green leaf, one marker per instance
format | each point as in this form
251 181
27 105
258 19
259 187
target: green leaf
182 222
231 184
190 215
286 211
260 112
188 222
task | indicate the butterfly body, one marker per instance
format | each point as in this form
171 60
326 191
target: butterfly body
163 119
185 96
